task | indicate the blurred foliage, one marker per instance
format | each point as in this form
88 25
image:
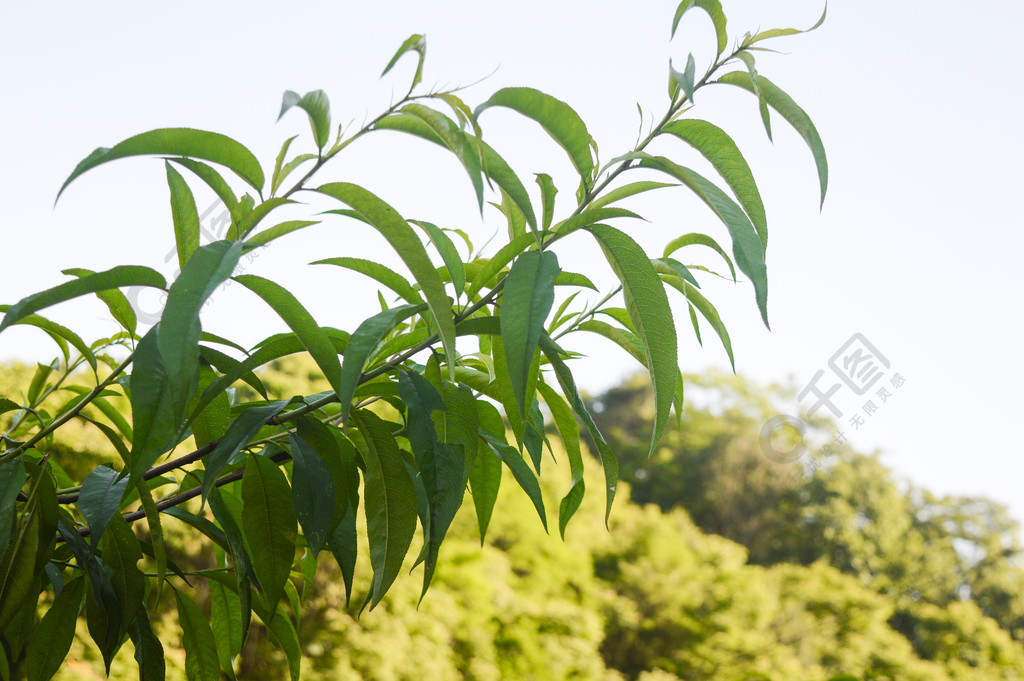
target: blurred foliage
856 573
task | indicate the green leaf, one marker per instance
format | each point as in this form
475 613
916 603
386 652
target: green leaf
215 182
208 146
149 652
449 254
403 239
570 432
283 633
520 471
459 143
380 273
184 214
498 261
556 117
269 526
291 166
212 422
12 479
547 195
627 340
702 240
123 275
266 236
344 547
694 297
240 432
626 191
17 566
100 498
777 32
275 178
714 10
300 322
746 246
317 107
364 341
592 216
390 503
718 148
414 43
796 117
568 385
60 334
682 81
312 493
120 309
201 662
441 465
675 268
121 551
650 313
762 103
484 481
226 622
526 301
52 638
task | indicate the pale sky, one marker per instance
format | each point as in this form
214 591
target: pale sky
917 247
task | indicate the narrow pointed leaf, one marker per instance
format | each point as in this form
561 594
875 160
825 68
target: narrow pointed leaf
526 301
208 146
52 638
414 43
702 240
201 662
312 492
120 309
240 432
380 273
714 10
449 254
269 526
184 214
100 499
405 242
570 432
626 191
520 471
149 652
697 300
650 313
789 110
459 143
556 117
317 107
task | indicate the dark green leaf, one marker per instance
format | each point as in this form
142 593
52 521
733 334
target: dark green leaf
208 146
390 503
570 432
201 662
283 633
484 481
269 525
52 638
240 432
121 551
226 622
100 498
312 492
120 309
520 471
149 652
380 273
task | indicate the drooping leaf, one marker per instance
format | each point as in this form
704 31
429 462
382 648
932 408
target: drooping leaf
714 10
556 117
648 307
317 107
215 182
52 638
378 272
746 246
484 481
184 214
526 301
449 254
414 43
718 148
298 319
208 146
283 633
403 239
312 492
703 240
123 275
570 432
459 143
694 297
122 552
240 432
682 81
101 496
120 309
441 465
390 503
497 262
520 471
269 526
149 652
797 117
201 662
226 623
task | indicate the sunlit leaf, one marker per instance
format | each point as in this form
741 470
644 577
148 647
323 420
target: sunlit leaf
317 107
184 214
714 10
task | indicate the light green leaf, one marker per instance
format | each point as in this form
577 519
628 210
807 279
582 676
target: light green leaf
796 117
498 261
298 319
266 236
201 663
592 216
526 301
547 195
626 191
213 180
208 146
570 432
720 149
520 471
556 117
414 43
484 481
269 527
405 242
317 107
184 214
449 254
120 309
746 246
682 81
762 103
116 277
650 313
459 143
694 297
389 501
714 10
701 240
378 272
778 32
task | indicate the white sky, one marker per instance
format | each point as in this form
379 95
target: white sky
917 247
